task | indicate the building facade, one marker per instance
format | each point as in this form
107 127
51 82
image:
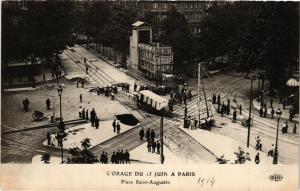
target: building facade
194 11
152 60
155 60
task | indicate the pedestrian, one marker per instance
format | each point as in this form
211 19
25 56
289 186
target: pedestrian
142 134
152 134
59 139
97 122
214 98
271 151
192 124
80 112
284 104
118 128
265 112
52 117
52 139
93 115
153 146
234 115
261 112
122 157
158 147
87 114
258 145
195 123
257 158
77 83
82 83
118 157
149 146
106 158
190 95
240 109
113 158
148 134
48 103
26 104
102 157
222 111
80 97
48 138
228 109
114 125
271 102
184 99
272 113
295 129
127 157
83 113
134 87
219 99
291 114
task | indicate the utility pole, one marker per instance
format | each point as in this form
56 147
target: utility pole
162 158
199 99
249 119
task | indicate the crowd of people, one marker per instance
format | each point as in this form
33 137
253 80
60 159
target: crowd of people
118 157
153 146
116 126
84 114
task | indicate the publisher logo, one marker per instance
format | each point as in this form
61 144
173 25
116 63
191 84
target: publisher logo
275 177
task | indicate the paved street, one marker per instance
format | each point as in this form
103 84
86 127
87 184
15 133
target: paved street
27 144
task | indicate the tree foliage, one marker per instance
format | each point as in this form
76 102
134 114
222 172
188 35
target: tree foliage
256 35
82 155
43 29
178 35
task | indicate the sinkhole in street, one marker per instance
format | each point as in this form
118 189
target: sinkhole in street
128 119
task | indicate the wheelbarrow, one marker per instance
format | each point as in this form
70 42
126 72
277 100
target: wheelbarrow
37 115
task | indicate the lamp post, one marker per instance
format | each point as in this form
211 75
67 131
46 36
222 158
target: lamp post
249 118
61 124
275 156
162 157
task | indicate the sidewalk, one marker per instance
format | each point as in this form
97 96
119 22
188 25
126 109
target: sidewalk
141 153
112 63
76 134
223 145
285 112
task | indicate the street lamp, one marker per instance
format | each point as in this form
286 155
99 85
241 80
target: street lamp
162 157
61 124
275 156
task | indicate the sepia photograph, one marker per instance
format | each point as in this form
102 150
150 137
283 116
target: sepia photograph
121 83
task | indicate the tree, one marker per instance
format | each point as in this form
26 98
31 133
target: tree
256 35
46 157
152 19
82 155
177 35
120 29
46 27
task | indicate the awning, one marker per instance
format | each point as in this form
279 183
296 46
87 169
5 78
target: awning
292 82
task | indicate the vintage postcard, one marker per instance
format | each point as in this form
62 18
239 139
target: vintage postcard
149 95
